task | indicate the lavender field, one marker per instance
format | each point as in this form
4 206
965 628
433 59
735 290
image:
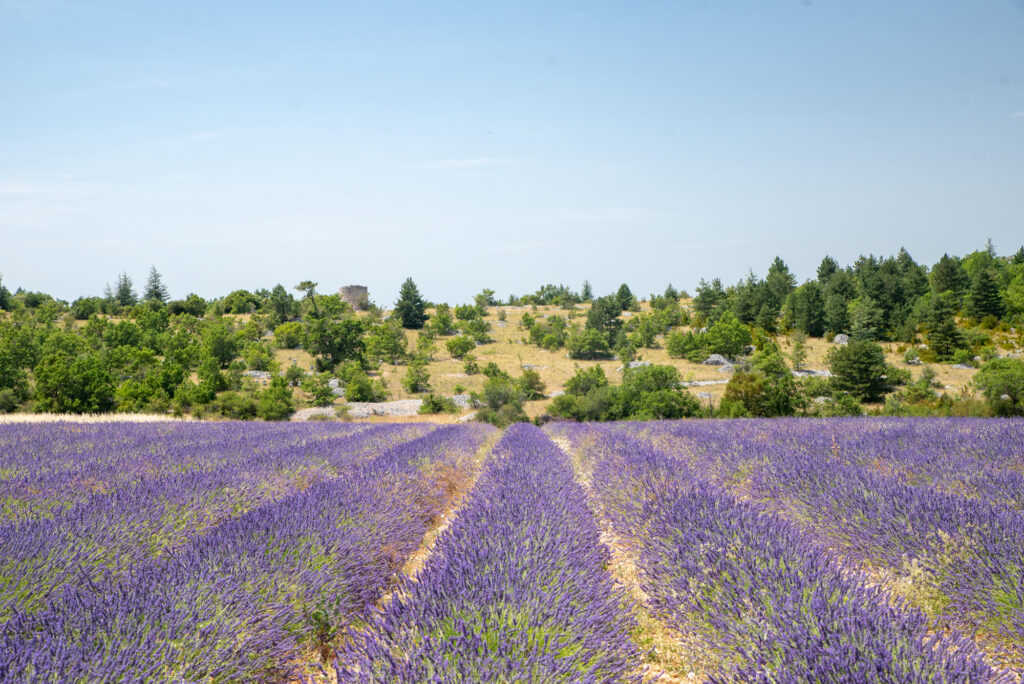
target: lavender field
845 550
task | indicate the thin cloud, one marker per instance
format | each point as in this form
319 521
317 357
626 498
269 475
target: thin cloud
471 163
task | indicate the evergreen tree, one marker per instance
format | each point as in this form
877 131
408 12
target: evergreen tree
944 337
780 282
827 267
587 293
806 309
410 307
671 293
124 292
1018 258
948 275
983 298
155 288
625 298
858 368
309 287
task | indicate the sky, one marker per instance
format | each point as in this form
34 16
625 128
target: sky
500 145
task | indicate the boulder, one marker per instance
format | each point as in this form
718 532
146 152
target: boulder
717 360
841 339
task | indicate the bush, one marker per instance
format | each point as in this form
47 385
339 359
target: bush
588 344
531 385
433 403
1002 383
416 378
459 346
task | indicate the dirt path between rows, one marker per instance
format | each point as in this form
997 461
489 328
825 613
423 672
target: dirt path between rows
668 656
458 486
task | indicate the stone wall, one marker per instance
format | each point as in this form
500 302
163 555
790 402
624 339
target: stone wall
357 296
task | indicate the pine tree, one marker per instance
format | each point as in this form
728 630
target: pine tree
124 291
309 287
588 292
155 288
983 298
410 307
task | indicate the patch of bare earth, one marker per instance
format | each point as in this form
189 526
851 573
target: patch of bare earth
669 655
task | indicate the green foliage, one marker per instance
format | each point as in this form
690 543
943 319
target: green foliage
531 386
984 298
586 379
193 305
241 302
219 342
123 292
727 336
334 342
289 335
859 368
13 382
416 378
258 356
1002 383
70 378
588 344
319 388
603 317
410 309
155 288
805 309
943 335
501 402
459 346
625 299
434 403
646 393
442 323
469 364
280 305
360 387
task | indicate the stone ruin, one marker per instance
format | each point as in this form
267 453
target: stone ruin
356 296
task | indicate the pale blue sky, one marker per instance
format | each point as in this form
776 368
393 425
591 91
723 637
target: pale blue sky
501 145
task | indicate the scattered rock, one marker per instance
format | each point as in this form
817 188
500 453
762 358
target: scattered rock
963 366
461 400
393 409
703 383
841 339
256 375
302 415
704 395
726 369
468 417
556 393
635 364
334 383
807 372
822 400
717 360
914 362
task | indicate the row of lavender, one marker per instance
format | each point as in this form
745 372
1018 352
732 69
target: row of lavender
776 604
148 508
516 588
44 469
243 600
919 499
